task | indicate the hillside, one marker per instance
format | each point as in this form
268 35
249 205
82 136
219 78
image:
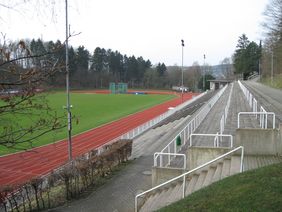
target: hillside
257 190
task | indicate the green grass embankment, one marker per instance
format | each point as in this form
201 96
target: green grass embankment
277 81
257 190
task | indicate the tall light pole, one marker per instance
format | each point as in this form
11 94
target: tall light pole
204 73
67 86
182 84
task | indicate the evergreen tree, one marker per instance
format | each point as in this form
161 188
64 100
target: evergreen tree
246 57
37 48
161 69
72 62
82 58
99 60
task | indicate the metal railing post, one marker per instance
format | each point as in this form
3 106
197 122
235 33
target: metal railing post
238 120
242 159
184 185
161 160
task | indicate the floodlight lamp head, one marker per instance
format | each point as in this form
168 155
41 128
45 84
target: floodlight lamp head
182 42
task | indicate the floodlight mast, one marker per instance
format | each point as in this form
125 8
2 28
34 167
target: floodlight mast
67 87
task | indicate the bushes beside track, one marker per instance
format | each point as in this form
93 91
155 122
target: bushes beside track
67 182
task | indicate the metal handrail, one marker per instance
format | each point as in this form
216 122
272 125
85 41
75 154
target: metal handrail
156 154
191 171
216 144
140 129
193 124
263 122
254 107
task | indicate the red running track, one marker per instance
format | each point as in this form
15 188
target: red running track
20 167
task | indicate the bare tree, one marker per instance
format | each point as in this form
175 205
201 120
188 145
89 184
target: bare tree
272 44
24 111
174 75
227 68
25 114
194 75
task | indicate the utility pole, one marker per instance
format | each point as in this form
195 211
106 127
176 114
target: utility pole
67 87
259 69
204 73
182 84
272 67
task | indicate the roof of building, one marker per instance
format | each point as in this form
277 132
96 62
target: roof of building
221 80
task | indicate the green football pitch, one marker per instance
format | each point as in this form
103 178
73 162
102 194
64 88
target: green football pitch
90 111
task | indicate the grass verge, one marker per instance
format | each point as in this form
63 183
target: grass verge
257 190
277 81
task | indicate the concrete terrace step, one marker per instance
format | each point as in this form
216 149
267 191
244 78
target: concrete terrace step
239 104
254 162
204 177
213 117
206 127
189 109
209 177
163 198
200 181
175 195
152 139
235 165
226 168
191 184
218 171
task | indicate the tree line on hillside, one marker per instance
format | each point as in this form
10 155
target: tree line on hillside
89 70
28 66
97 70
264 57
271 61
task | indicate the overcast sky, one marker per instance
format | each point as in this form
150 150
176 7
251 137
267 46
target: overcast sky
149 28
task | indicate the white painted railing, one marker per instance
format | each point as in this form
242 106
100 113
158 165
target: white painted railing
263 121
216 138
184 134
226 109
142 128
183 177
256 109
156 157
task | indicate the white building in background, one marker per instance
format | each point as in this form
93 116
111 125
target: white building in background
217 84
179 88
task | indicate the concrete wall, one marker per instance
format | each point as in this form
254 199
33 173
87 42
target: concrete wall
212 86
197 156
260 141
161 175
